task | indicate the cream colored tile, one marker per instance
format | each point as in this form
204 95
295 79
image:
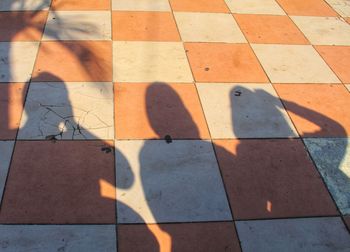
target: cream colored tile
255 7
175 182
348 86
141 5
78 25
294 64
68 111
244 111
208 27
150 61
324 30
340 6
6 148
21 5
17 60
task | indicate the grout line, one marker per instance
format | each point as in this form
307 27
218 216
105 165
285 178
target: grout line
114 129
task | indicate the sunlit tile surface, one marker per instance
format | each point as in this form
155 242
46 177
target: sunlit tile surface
203 27
150 61
340 6
255 7
324 30
293 64
141 5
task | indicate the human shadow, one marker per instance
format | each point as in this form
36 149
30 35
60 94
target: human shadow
250 117
160 170
80 193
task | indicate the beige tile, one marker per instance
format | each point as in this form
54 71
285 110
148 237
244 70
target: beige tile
68 111
348 86
255 7
340 6
150 61
17 60
203 27
294 64
78 25
244 111
21 5
324 30
6 148
141 5
175 182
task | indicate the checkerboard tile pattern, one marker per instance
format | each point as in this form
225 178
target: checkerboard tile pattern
174 125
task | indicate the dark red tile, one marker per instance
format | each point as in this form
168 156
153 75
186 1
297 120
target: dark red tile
187 237
272 179
60 182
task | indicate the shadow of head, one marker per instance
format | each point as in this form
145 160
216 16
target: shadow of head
167 113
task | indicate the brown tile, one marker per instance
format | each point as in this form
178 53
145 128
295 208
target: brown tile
60 182
145 111
199 5
317 110
271 178
74 61
81 5
219 62
338 58
11 107
22 25
144 26
307 8
219 236
269 29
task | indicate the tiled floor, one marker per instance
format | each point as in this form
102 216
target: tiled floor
174 125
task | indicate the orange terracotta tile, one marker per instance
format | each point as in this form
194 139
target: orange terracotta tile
185 237
144 111
81 5
307 8
268 29
275 182
337 58
199 5
347 20
317 110
219 62
144 26
22 25
11 107
60 182
74 61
